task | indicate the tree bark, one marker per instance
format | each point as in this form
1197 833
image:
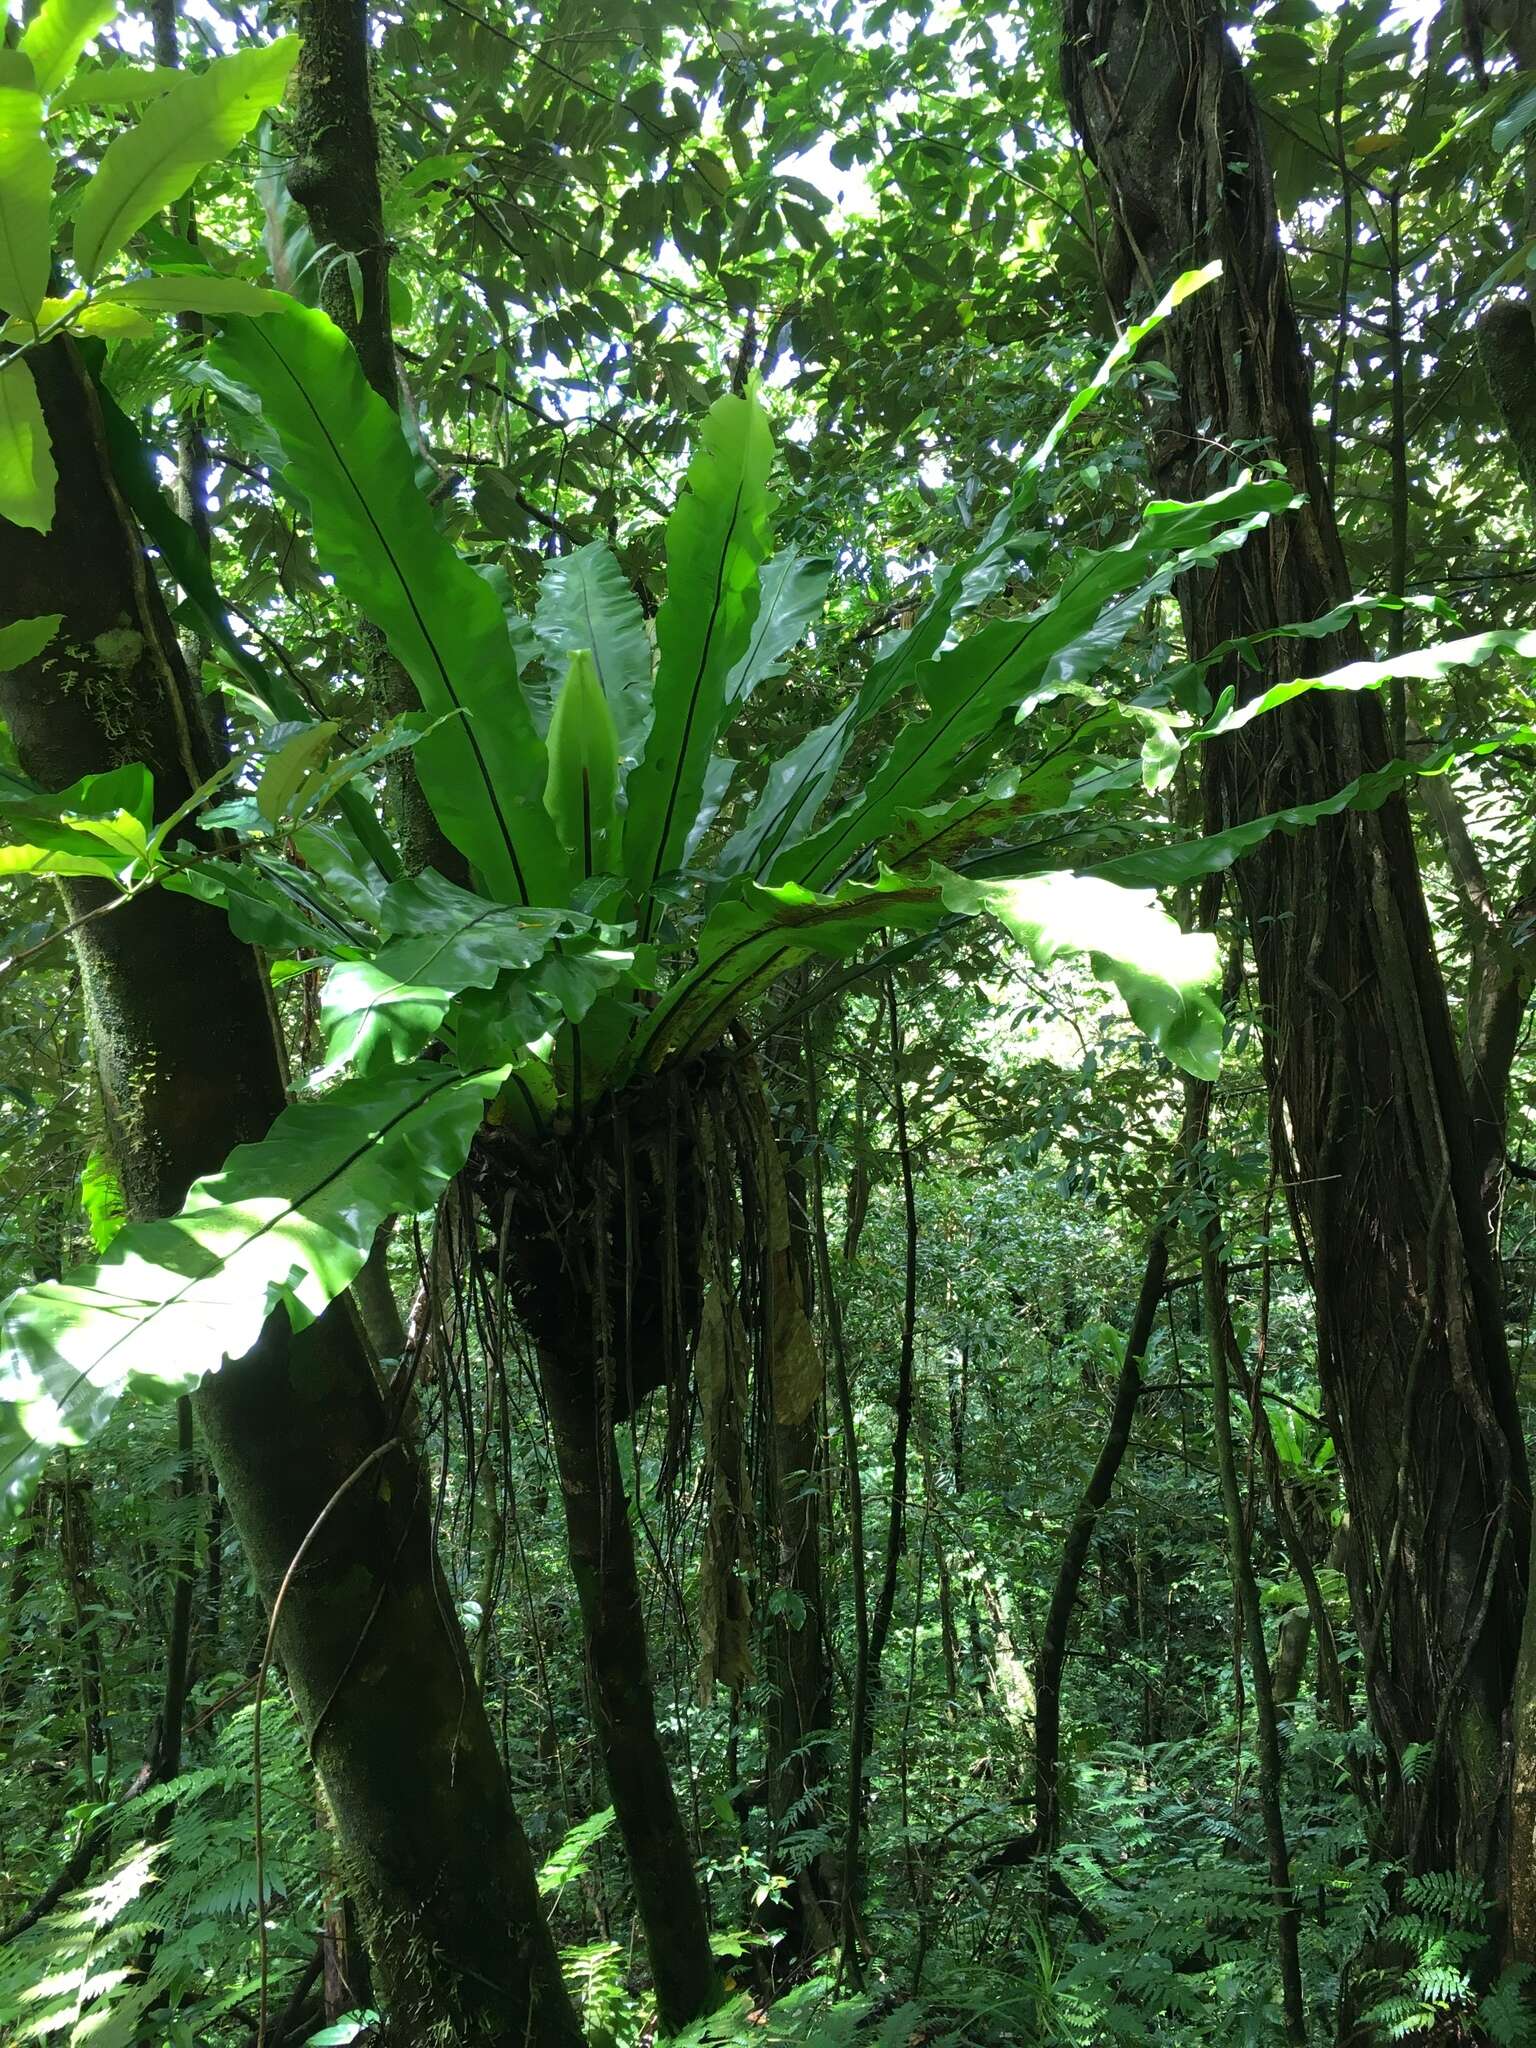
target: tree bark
1051 1669
1366 1094
1246 1586
896 1526
188 1065
800 1706
178 1653
858 1705
799 1718
335 178
602 1554
374 1293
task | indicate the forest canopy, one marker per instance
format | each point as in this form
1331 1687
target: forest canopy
767 907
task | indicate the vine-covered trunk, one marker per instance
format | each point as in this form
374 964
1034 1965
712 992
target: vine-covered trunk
297 1431
1369 1110
602 1553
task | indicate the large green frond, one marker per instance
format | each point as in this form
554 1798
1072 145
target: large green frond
286 1223
483 766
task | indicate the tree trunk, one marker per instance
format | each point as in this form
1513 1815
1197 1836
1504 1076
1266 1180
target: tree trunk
800 1685
1051 1668
602 1553
1245 1584
334 176
1367 1100
374 1293
896 1526
166 1762
188 1066
797 1722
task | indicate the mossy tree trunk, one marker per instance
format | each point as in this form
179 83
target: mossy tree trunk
187 1061
1369 1106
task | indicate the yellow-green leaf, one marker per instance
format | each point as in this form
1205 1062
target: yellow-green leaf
26 182
296 761
56 35
186 129
191 292
49 313
114 323
123 85
24 639
27 475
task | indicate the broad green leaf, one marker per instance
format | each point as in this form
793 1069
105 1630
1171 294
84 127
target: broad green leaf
24 639
443 940
343 2031
972 686
56 35
757 934
1179 861
1160 753
296 762
286 1223
1184 860
582 793
1164 975
483 768
717 539
100 825
276 904
331 850
26 186
193 125
794 589
180 551
585 603
1508 130
117 85
794 790
1182 288
1422 664
114 323
189 291
798 785
1126 938
1067 782
28 478
1177 683
81 315
718 777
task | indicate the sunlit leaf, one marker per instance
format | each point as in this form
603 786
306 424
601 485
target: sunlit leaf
26 185
717 539
117 85
286 1223
57 33
189 291
483 766
193 125
28 477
